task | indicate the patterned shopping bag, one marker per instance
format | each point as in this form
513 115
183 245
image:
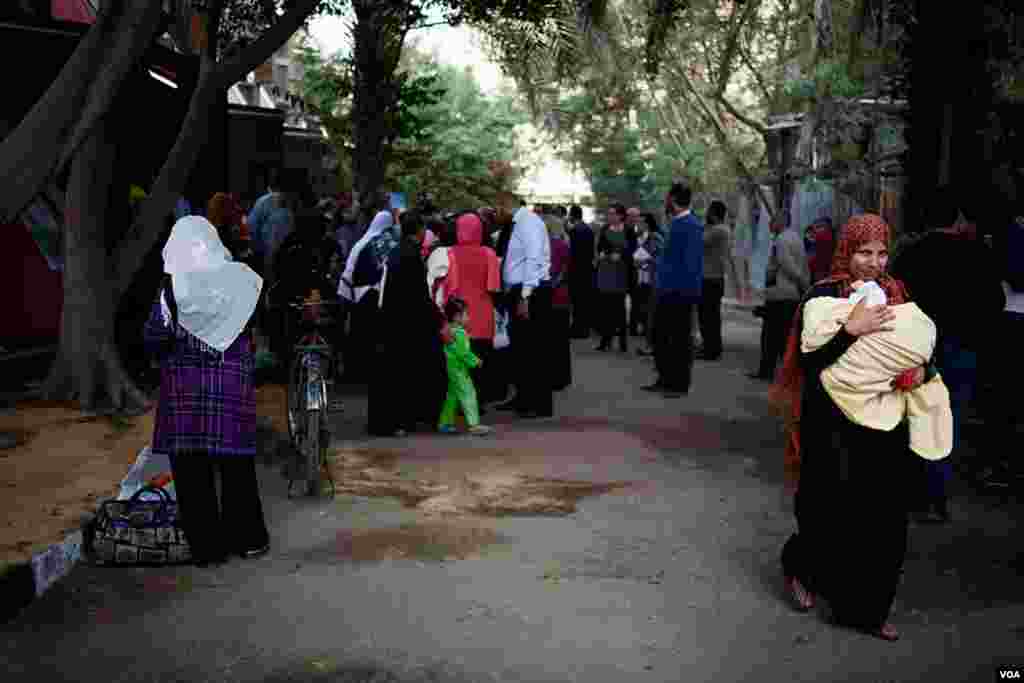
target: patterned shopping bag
137 531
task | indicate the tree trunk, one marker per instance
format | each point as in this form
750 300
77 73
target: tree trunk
88 368
822 48
29 152
378 46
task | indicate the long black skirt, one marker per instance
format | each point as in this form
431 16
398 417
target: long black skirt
561 349
362 337
217 527
851 505
407 386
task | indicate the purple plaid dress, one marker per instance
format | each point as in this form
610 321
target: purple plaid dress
207 400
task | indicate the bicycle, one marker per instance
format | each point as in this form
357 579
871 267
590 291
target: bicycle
307 400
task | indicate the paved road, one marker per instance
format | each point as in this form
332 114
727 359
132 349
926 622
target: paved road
673 578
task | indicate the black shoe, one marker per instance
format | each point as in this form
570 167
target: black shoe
210 562
507 406
760 376
655 388
708 356
644 352
254 553
603 347
623 348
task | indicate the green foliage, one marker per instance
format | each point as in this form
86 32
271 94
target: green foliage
243 21
831 78
446 136
328 88
626 158
465 142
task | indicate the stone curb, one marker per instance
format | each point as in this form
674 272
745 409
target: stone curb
21 583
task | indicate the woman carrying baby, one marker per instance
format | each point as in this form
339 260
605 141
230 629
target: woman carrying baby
851 501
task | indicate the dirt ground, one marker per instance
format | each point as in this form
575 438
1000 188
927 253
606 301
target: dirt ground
68 462
488 482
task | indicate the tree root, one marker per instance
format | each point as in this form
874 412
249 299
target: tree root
96 380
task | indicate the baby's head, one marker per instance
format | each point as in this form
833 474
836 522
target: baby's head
870 291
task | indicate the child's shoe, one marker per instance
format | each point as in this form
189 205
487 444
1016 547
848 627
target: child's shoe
480 430
448 429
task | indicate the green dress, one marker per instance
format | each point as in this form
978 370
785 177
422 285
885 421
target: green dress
461 392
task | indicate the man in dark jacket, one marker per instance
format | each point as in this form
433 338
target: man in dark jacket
680 274
954 279
581 274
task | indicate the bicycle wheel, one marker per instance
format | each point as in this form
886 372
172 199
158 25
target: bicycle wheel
312 448
296 403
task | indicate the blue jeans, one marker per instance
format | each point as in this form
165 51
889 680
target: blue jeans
959 369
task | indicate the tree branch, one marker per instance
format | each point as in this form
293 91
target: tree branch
723 138
746 120
725 67
216 13
28 153
749 63
237 67
135 34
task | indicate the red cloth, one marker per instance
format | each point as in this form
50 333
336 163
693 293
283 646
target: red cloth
428 241
787 391
72 10
560 258
473 275
34 315
823 246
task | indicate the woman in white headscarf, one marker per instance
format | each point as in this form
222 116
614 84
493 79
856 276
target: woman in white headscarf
206 416
361 285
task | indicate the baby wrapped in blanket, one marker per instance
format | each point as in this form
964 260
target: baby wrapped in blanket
860 382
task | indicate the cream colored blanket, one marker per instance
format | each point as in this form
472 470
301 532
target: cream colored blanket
859 382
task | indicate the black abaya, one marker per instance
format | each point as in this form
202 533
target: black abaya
852 501
408 378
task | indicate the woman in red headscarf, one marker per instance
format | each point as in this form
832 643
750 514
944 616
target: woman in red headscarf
854 481
474 277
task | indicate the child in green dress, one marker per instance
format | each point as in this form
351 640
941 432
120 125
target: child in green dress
461 360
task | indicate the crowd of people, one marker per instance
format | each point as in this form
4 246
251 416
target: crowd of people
528 281
444 314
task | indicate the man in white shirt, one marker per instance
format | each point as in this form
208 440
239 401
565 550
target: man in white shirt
526 275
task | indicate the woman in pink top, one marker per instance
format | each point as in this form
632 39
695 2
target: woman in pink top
474 277
561 304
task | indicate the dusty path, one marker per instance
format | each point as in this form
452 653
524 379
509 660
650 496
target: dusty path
667 570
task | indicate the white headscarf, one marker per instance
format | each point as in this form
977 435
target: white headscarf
215 296
381 222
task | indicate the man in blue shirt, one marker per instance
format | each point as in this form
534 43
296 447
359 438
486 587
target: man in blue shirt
258 218
680 271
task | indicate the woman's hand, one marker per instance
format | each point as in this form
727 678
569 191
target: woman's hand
864 320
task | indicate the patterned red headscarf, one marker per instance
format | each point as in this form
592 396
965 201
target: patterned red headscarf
787 391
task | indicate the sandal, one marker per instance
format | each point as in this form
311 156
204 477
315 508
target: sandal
886 632
802 597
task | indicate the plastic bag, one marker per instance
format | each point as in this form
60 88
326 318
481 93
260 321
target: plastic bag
501 339
149 469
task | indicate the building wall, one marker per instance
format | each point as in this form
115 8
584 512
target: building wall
304 155
254 141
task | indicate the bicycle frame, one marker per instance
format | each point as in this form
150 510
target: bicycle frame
311 350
